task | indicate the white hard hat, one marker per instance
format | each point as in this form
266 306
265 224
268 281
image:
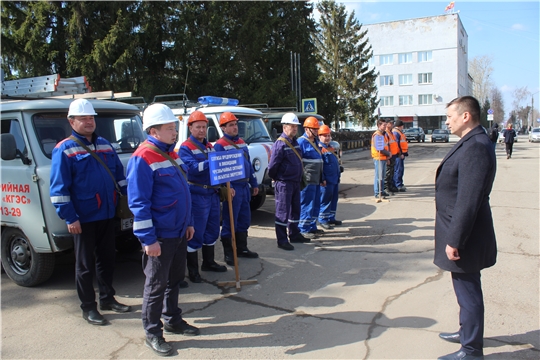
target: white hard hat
157 114
81 107
290 118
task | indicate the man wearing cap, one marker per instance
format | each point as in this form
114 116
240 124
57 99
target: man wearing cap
243 190
399 166
310 197
84 195
204 198
160 200
286 169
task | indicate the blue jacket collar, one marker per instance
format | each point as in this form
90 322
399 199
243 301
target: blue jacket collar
233 138
160 144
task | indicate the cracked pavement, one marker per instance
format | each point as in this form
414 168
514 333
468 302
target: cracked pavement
364 290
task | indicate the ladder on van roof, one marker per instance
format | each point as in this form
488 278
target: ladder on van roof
53 86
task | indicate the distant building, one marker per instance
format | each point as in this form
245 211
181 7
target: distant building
422 65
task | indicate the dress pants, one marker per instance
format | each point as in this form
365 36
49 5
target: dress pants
287 199
468 289
163 275
94 254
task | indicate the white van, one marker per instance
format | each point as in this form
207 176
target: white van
32 232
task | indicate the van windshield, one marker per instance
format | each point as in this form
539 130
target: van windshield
252 129
124 131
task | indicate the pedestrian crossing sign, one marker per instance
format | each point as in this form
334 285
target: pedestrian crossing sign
309 105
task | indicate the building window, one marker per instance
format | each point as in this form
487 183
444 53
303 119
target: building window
387 101
425 99
405 58
387 80
386 59
405 79
405 100
425 78
424 56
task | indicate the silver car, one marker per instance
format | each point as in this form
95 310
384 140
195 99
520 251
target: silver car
534 135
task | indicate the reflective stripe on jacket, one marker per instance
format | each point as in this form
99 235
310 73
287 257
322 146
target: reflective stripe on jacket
80 187
158 194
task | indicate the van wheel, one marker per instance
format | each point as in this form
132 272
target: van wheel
257 201
21 262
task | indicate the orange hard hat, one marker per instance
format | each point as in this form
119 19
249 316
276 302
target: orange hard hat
196 116
324 130
227 117
311 122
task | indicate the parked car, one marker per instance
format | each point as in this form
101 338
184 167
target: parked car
534 135
440 135
416 134
501 136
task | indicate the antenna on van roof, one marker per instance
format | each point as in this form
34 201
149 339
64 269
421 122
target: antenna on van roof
185 86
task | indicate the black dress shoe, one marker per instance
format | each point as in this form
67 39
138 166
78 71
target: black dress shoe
94 317
183 284
285 246
246 253
115 306
182 328
299 238
159 346
195 278
451 337
461 355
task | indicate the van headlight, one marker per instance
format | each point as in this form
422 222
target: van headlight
257 164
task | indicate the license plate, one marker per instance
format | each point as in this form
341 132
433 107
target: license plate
126 224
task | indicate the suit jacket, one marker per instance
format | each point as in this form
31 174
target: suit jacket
463 215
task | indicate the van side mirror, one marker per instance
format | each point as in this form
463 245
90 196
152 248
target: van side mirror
10 151
9 147
212 134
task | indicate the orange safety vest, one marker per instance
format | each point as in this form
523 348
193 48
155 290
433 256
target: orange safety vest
392 143
403 144
375 154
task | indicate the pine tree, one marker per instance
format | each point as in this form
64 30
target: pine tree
344 51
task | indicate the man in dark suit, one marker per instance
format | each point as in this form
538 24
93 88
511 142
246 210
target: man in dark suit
464 234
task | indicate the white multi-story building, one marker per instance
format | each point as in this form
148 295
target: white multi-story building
422 65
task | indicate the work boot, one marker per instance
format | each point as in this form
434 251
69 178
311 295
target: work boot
192 260
241 246
208 263
227 251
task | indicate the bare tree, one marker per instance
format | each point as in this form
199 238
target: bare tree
520 106
497 104
480 70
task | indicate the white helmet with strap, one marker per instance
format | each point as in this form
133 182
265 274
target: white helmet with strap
157 114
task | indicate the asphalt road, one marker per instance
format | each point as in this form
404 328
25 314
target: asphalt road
365 290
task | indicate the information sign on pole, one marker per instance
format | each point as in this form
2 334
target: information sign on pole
379 142
226 166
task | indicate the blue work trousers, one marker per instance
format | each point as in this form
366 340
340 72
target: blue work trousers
241 211
468 289
399 168
287 199
329 200
161 287
380 171
310 204
205 209
94 254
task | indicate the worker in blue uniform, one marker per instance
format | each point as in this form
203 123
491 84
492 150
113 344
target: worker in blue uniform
84 195
310 197
160 200
332 175
204 198
243 190
286 169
